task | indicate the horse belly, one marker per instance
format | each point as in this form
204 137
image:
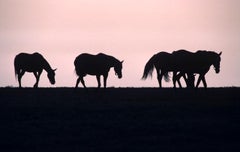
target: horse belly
95 71
84 70
88 64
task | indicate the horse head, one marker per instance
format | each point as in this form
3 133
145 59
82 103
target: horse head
118 69
51 76
216 62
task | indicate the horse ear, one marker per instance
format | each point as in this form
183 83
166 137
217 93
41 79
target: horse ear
55 69
122 61
220 53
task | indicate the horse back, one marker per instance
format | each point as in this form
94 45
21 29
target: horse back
191 61
29 62
163 60
91 64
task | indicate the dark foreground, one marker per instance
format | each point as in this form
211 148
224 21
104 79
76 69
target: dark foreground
120 119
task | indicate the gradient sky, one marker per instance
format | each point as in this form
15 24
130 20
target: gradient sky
130 30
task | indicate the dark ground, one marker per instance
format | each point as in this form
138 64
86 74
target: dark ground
119 119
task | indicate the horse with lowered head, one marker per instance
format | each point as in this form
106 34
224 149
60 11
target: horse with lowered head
35 63
97 65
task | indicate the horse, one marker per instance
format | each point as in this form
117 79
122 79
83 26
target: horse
97 65
198 62
36 63
163 63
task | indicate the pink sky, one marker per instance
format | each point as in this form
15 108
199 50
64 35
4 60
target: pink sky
129 30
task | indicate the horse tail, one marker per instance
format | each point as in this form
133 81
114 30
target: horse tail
77 66
16 67
166 77
148 70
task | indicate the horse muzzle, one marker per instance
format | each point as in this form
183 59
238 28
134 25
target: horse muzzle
217 70
119 75
52 82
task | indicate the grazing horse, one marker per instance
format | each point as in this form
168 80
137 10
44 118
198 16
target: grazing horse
198 62
35 63
98 65
163 63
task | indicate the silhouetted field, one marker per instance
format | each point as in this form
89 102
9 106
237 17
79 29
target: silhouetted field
119 119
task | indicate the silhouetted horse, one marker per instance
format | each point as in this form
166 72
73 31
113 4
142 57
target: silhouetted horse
98 65
35 63
163 63
198 62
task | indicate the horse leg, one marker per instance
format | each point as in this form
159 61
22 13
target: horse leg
98 80
191 79
37 75
105 80
176 77
204 82
186 79
21 73
199 80
38 78
80 78
159 77
82 81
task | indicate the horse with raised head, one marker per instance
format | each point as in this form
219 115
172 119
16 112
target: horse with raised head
35 63
163 63
198 62
98 65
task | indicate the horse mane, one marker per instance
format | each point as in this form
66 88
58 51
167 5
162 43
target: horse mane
46 65
205 51
210 54
109 57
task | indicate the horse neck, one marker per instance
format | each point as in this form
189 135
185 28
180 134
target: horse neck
205 59
211 58
46 66
112 61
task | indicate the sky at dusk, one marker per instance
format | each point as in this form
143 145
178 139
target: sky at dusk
130 30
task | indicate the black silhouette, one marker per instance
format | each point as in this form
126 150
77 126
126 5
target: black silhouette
163 63
35 63
189 80
198 62
98 65
183 64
